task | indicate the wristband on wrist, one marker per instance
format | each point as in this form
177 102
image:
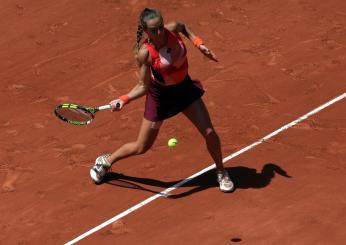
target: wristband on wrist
197 41
125 98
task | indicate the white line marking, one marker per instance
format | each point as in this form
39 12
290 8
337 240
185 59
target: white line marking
165 192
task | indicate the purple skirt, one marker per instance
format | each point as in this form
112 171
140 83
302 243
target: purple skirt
163 102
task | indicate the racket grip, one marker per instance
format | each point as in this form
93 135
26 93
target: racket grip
104 107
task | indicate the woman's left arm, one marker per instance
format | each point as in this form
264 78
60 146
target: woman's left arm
197 41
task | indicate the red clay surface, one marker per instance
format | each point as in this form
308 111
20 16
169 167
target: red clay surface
278 60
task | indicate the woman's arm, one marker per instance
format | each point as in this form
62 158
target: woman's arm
144 75
141 87
181 27
177 26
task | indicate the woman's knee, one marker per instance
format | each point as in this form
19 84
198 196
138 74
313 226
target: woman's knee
210 134
142 148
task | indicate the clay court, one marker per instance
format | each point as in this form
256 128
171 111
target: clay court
278 60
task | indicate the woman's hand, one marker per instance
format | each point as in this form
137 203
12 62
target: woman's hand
207 52
117 104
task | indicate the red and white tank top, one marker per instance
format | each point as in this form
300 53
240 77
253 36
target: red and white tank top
169 64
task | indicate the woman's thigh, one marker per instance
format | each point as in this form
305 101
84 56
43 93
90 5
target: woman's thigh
148 133
198 114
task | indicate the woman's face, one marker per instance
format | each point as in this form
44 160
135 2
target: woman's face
155 30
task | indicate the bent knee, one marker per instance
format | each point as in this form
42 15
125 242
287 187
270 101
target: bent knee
142 148
210 133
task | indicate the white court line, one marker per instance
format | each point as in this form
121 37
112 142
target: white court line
165 192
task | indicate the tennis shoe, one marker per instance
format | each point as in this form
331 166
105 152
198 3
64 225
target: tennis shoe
100 169
225 182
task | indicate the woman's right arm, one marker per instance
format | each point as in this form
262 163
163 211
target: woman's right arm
144 80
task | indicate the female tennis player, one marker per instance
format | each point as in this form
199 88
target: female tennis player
169 90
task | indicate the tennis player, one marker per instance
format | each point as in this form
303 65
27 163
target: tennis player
169 90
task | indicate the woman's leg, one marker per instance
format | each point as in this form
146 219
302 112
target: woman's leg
146 138
198 114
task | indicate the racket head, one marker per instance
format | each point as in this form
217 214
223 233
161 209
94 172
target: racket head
75 114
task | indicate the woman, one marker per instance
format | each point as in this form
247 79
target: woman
169 90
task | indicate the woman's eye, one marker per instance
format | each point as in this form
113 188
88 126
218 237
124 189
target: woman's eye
154 31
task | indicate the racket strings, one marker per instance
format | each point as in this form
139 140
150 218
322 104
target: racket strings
75 114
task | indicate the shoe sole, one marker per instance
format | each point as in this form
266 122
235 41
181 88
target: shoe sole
230 190
94 176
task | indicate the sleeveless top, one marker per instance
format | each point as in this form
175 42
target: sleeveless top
169 64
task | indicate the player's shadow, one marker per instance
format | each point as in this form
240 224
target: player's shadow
242 177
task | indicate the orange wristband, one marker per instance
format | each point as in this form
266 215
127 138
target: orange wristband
125 98
197 41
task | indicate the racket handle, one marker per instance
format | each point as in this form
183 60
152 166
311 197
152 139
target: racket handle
104 107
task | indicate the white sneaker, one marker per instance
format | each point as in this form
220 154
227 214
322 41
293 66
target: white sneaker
100 168
226 184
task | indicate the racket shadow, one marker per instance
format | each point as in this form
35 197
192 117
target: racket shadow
243 178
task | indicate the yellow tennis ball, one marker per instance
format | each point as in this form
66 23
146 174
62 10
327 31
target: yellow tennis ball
172 142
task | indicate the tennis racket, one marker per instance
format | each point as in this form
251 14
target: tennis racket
77 114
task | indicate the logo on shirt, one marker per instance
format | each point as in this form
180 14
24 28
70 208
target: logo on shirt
175 57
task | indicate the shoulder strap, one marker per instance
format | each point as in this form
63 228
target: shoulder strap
153 52
173 34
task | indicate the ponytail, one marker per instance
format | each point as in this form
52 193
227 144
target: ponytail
139 38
